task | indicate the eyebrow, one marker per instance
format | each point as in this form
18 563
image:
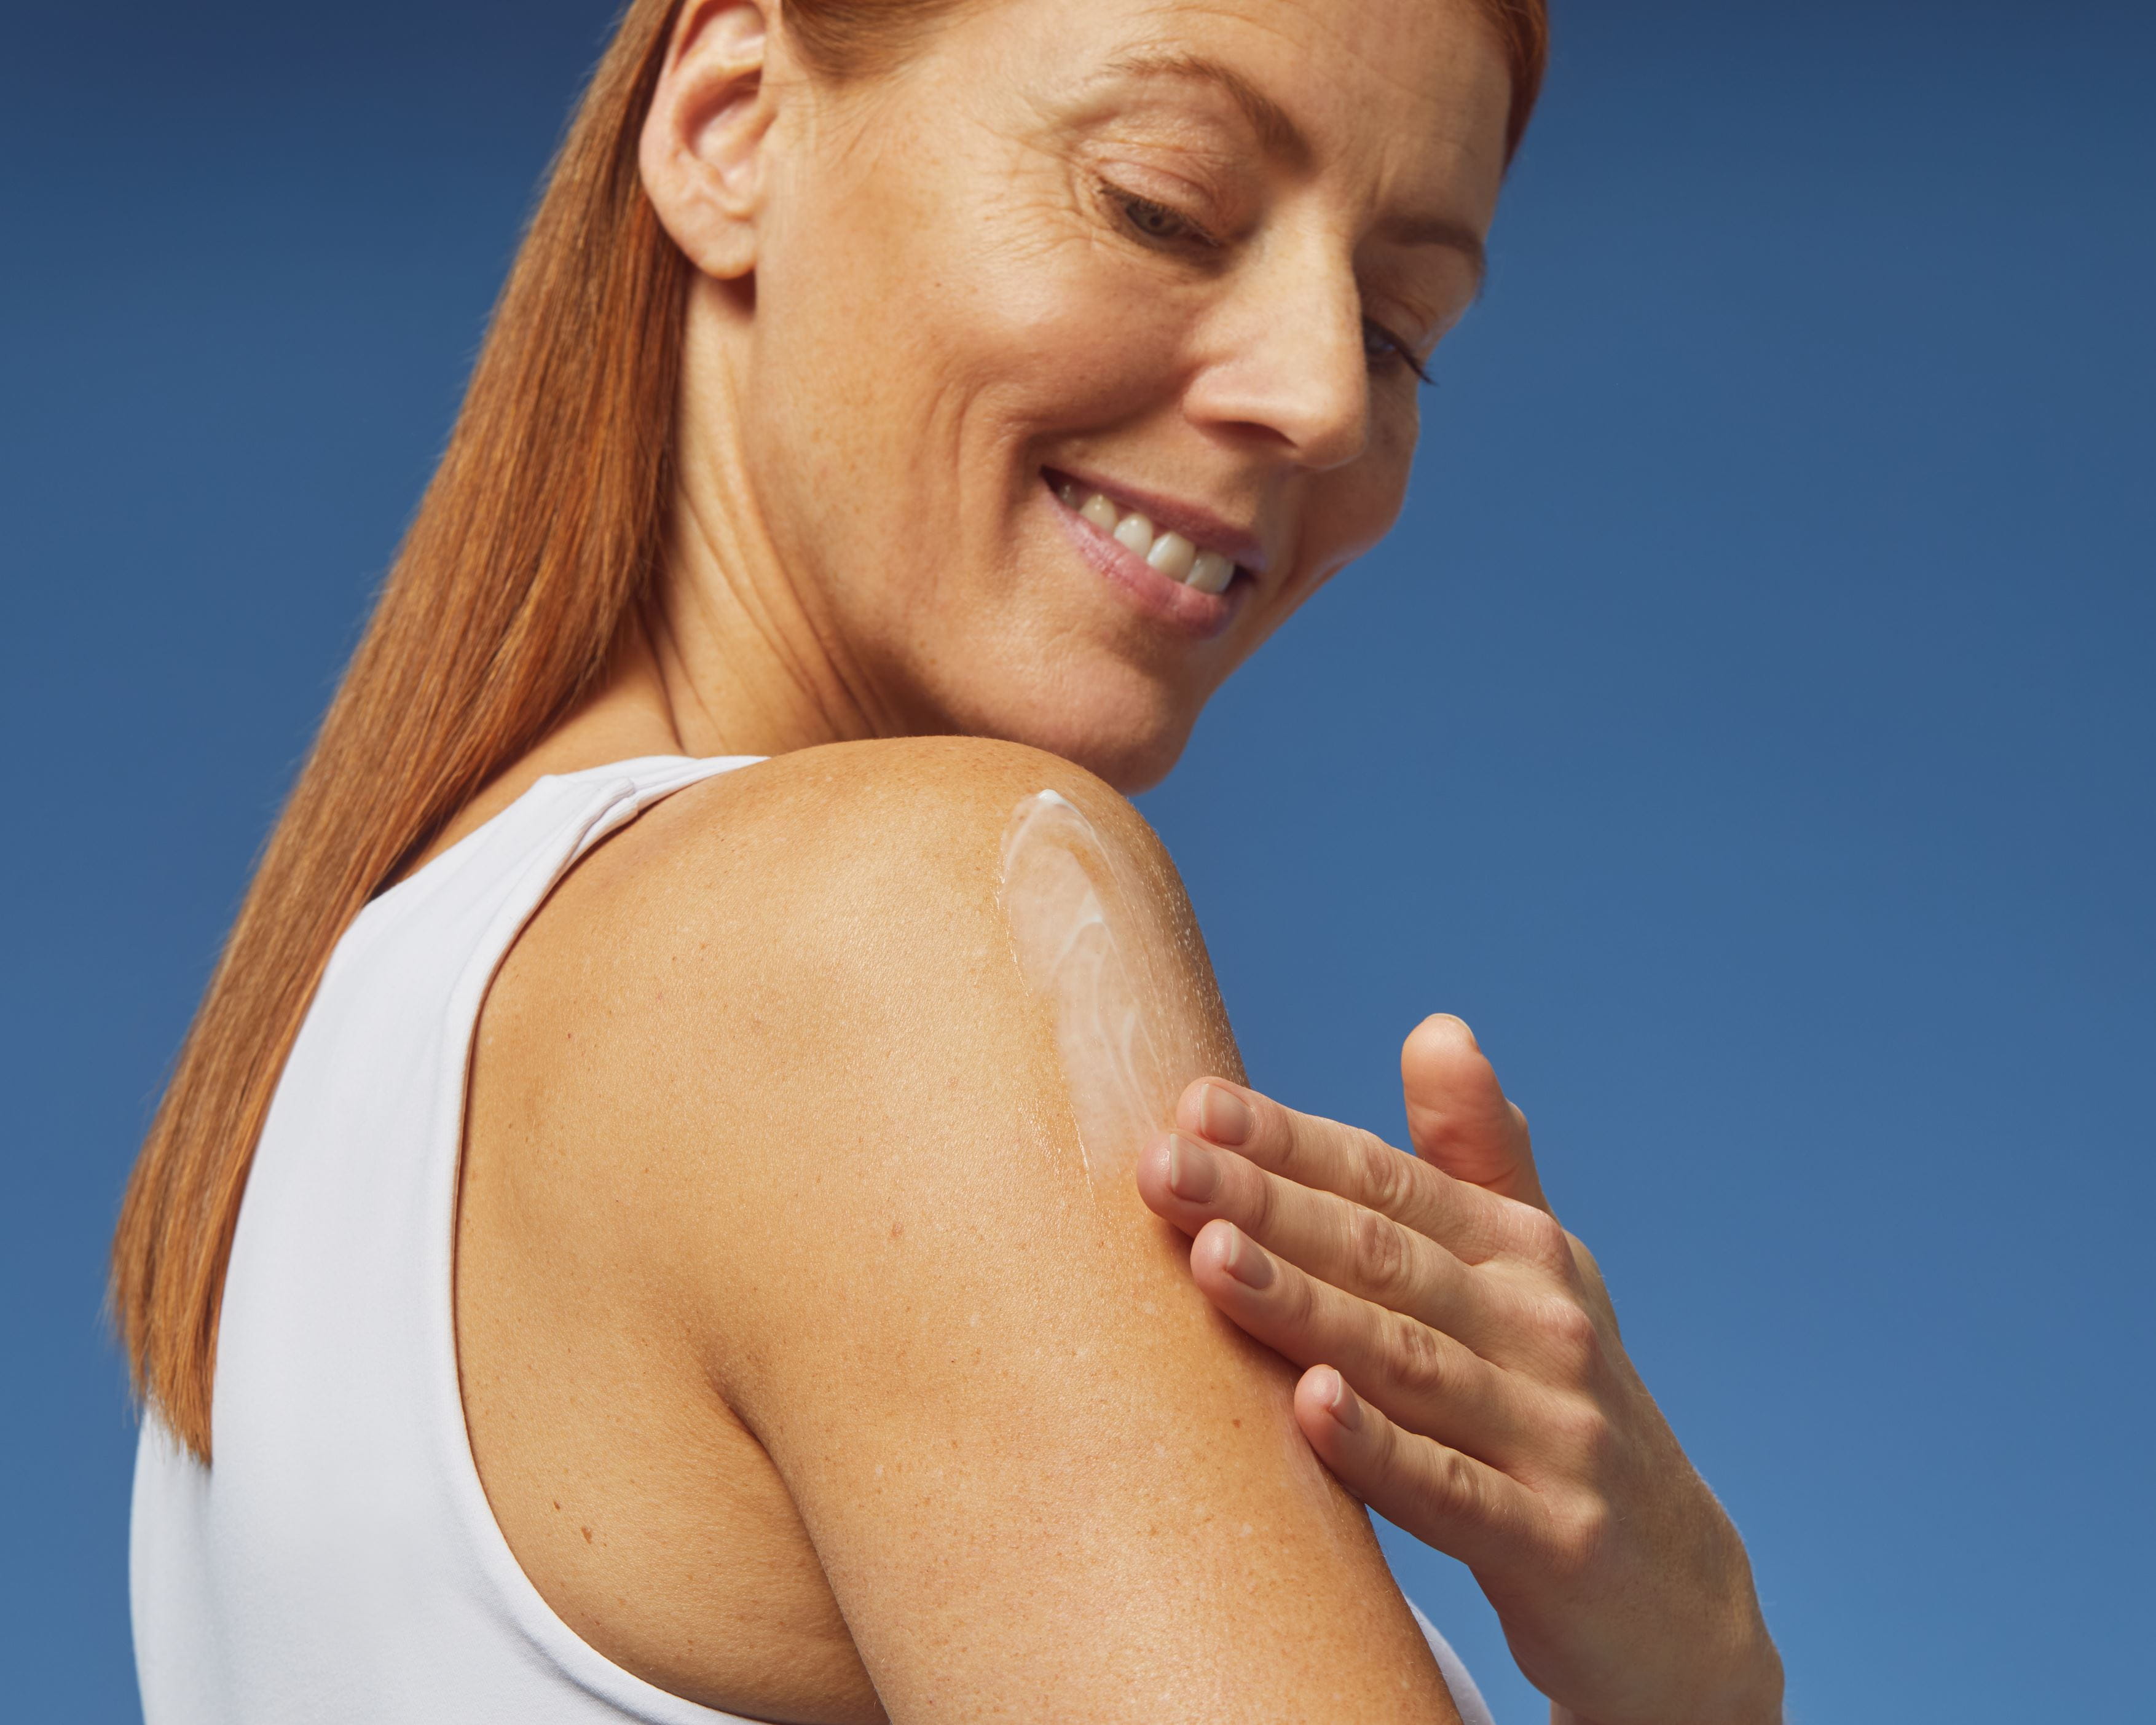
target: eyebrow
1278 132
1280 136
1439 230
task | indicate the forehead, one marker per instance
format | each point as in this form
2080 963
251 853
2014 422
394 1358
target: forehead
1415 91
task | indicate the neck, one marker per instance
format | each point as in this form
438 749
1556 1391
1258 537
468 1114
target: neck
728 657
716 665
737 663
736 656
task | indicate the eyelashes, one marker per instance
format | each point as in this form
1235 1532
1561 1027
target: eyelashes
1159 223
1379 343
1166 228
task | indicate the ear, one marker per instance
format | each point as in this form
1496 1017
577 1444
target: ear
702 154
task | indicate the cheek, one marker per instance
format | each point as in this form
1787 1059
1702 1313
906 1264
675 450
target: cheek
1370 499
998 262
1056 330
1344 515
912 368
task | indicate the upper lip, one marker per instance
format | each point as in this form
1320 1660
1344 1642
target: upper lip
1198 523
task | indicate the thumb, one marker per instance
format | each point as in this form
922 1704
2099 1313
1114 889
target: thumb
1458 1117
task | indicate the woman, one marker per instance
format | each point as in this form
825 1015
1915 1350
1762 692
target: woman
696 1052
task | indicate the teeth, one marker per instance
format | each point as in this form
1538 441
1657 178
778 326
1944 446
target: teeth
1175 555
1101 513
1134 533
1211 573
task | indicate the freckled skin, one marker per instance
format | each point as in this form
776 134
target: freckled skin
876 1403
791 1286
1000 366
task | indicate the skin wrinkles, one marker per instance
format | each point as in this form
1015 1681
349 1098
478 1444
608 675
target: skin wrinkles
809 1368
1280 134
922 555
1277 131
1151 124
781 1232
1164 104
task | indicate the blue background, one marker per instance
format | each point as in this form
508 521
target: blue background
1749 729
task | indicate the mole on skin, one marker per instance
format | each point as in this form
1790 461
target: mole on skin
1064 898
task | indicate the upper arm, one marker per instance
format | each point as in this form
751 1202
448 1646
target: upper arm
1044 1478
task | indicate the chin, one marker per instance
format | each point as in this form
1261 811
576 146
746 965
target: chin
1132 765
1130 744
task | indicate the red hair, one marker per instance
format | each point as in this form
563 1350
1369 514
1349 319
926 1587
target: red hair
540 531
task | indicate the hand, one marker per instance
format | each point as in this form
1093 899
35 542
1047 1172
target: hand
1467 1382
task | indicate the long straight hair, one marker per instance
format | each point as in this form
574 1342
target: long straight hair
540 531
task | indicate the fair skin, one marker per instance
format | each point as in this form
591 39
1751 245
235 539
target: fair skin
808 1373
1466 1378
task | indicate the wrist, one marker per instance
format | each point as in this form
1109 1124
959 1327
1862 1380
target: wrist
1752 1696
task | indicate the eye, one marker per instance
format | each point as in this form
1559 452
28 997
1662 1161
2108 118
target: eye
1381 346
1155 223
1158 225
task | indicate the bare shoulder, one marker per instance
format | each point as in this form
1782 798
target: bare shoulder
928 812
783 1038
940 780
827 935
838 885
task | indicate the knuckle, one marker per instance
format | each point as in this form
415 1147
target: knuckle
1569 1340
1460 1488
1416 1356
1579 1532
1377 1253
1542 1241
1283 1135
1587 1438
1387 1176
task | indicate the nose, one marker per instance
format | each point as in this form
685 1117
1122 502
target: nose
1285 362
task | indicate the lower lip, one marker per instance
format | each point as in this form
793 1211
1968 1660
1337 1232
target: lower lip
1185 609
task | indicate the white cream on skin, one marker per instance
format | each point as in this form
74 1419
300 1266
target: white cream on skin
1055 873
1071 916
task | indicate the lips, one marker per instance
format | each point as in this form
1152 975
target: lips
1159 594
1173 554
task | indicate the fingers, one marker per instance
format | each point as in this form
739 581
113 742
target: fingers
1458 1116
1462 1506
1427 1380
1357 1249
1326 1156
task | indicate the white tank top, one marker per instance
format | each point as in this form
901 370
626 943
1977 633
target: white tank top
340 1564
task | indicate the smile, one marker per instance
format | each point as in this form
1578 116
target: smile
1185 557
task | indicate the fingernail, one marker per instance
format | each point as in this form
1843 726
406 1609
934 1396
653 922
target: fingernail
1340 1402
1248 1262
1192 1173
1224 1117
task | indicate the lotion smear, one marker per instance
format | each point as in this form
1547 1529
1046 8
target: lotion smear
1055 872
